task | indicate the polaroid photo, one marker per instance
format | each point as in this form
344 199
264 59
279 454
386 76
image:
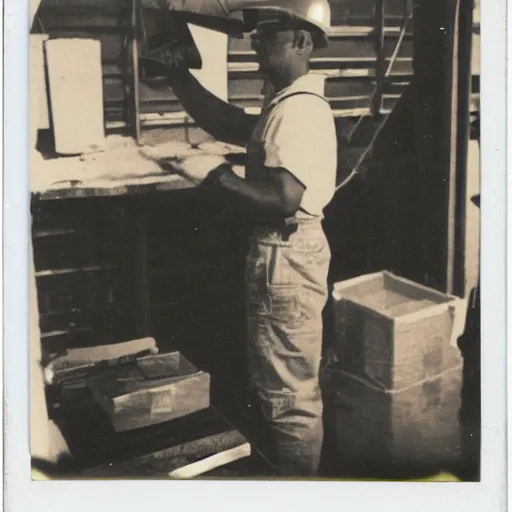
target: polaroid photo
246 260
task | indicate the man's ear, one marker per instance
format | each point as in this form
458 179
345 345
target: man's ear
304 41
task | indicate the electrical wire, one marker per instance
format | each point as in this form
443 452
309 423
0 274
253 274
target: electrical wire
379 129
394 56
41 26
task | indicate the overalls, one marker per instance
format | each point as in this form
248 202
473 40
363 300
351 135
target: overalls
286 283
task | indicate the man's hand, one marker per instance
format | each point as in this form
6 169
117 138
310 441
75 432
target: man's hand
166 45
169 151
196 168
193 164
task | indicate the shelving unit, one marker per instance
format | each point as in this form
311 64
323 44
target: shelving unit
352 62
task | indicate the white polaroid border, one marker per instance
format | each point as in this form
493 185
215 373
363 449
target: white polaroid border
21 494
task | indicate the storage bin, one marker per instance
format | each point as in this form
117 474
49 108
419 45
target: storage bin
416 426
392 330
153 390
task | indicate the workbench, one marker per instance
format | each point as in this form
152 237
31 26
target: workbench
123 250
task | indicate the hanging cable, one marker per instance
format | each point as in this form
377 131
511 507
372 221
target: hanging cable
40 24
389 69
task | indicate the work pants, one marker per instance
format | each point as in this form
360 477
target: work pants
286 278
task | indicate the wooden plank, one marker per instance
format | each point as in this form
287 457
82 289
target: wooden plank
240 84
79 7
63 271
110 42
56 323
53 232
38 88
344 68
152 449
74 71
63 332
74 251
353 102
342 34
319 64
340 49
212 462
189 461
58 342
66 19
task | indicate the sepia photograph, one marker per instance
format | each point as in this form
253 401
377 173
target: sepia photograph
255 240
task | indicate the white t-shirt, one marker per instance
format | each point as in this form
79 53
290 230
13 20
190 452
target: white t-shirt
299 135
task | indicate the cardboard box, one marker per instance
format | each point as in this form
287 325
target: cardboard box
414 426
153 390
392 330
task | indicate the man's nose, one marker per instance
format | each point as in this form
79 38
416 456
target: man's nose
255 42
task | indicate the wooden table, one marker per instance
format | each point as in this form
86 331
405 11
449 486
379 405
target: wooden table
129 208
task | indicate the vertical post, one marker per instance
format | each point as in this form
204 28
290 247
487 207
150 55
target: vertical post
452 181
465 38
380 68
433 65
134 50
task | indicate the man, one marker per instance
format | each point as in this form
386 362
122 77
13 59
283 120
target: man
290 178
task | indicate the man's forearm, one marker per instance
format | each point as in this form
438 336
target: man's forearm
223 121
261 197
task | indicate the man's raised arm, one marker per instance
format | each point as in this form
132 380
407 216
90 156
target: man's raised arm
221 120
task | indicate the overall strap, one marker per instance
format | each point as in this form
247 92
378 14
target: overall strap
286 96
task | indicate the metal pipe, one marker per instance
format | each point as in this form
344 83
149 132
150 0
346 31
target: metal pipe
134 50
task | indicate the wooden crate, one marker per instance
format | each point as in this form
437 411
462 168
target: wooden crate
416 426
392 330
154 390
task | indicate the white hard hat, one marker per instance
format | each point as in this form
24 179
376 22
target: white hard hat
316 13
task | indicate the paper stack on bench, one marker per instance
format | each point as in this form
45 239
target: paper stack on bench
123 162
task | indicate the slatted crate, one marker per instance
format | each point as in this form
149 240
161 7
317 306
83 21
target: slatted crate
413 427
392 330
155 389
